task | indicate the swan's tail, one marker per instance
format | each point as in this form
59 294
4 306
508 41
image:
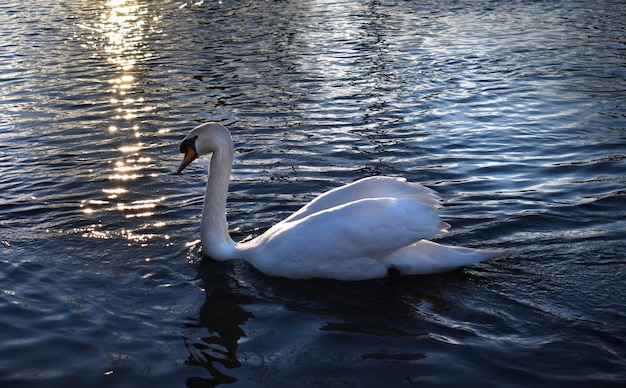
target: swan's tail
426 257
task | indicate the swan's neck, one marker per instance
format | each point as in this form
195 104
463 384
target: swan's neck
216 241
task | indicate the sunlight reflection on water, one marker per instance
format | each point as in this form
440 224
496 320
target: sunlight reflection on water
120 34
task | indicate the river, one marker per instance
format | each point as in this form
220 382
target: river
514 111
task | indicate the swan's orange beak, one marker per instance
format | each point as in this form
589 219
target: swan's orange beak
187 147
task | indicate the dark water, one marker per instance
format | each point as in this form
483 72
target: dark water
515 111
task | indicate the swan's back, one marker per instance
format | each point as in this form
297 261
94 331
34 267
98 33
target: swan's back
372 187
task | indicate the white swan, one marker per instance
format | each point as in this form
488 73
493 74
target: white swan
364 230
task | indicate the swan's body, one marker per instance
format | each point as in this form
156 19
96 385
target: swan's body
362 230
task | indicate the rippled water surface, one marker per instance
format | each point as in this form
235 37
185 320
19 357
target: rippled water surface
513 110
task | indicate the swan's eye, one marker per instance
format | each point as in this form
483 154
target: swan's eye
188 144
188 147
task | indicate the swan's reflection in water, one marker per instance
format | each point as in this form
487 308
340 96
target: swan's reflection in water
324 327
222 315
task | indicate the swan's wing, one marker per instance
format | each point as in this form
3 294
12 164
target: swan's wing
371 187
367 228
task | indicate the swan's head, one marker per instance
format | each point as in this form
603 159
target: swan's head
204 139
